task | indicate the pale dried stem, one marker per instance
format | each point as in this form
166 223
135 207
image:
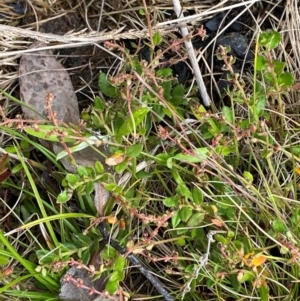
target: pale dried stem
192 56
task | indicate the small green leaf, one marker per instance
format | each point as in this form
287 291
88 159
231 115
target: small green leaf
279 226
170 202
221 238
225 150
177 95
72 179
175 219
197 196
181 242
278 66
11 149
195 220
269 39
164 72
200 155
121 166
99 103
157 38
3 260
143 175
82 171
228 114
65 247
274 39
286 79
85 256
89 188
183 190
248 176
99 167
263 39
112 286
261 63
246 276
264 293
132 122
295 150
46 256
119 263
106 87
17 168
134 150
167 86
185 213
63 197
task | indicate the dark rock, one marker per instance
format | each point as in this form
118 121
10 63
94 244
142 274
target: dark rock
214 23
145 54
19 7
71 292
238 44
182 72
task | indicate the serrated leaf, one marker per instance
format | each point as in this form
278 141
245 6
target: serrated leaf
286 79
106 87
269 39
278 66
274 39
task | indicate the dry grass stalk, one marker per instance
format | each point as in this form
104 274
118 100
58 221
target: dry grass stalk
192 56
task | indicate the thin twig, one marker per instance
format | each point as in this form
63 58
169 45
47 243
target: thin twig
192 56
134 260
